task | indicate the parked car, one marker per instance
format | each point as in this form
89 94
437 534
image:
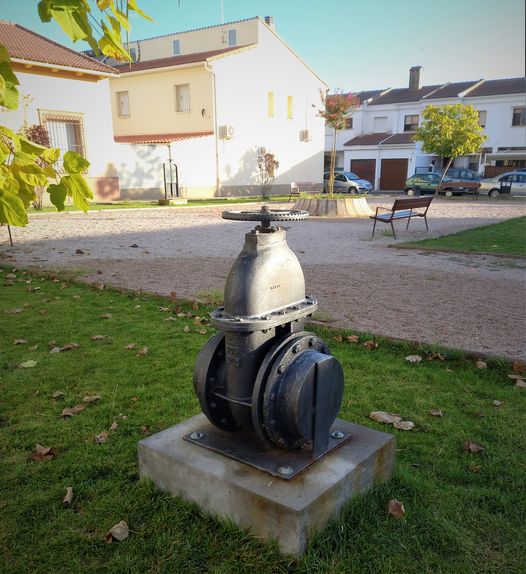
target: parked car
421 183
492 185
462 173
346 182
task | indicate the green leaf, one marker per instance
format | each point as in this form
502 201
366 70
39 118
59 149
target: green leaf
2 88
27 194
10 93
78 190
44 10
122 18
50 154
104 4
58 194
50 172
30 174
71 17
75 163
31 148
12 210
132 5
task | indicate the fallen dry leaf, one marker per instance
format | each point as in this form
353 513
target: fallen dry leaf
143 351
338 338
56 350
181 314
475 468
383 417
118 532
497 403
370 345
33 348
106 316
516 377
134 399
101 438
58 394
436 413
353 339
473 447
521 384
404 425
70 346
130 346
27 365
202 331
413 358
114 426
79 252
76 297
91 398
450 370
173 294
163 309
41 453
15 311
20 342
98 337
69 495
72 411
519 367
170 319
43 311
479 414
437 356
195 306
186 329
146 430
396 508
481 364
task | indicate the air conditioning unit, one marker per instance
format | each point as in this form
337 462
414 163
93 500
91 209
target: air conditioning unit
305 135
226 132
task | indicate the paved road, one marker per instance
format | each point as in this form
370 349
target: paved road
465 301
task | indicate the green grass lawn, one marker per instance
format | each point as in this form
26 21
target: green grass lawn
96 206
465 513
507 238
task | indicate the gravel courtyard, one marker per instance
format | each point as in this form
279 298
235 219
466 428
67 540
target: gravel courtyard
474 302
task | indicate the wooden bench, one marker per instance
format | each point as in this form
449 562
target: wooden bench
403 209
297 187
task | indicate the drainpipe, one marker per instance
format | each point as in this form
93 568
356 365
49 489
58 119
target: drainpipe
216 139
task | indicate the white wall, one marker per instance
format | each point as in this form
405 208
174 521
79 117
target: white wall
91 99
242 83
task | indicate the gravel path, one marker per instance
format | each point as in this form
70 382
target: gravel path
474 302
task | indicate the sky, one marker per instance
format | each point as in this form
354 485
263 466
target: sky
352 44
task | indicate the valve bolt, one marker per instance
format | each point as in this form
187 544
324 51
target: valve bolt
196 435
337 434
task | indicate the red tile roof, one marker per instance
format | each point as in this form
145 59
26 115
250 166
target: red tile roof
160 138
23 44
382 139
499 87
368 139
175 60
401 95
451 90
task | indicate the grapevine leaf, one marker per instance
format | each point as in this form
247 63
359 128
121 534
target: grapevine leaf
57 195
75 163
12 210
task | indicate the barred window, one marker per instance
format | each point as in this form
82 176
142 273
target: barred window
66 132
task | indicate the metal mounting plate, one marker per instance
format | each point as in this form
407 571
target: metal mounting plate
246 448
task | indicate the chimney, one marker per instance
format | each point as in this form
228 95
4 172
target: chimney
269 21
414 78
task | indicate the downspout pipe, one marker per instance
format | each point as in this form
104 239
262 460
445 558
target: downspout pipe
216 139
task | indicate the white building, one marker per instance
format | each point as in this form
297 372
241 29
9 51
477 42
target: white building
378 144
209 99
68 94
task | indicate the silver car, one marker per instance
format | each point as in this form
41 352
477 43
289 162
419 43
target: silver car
346 182
494 186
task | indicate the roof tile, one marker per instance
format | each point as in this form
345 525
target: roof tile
24 44
499 87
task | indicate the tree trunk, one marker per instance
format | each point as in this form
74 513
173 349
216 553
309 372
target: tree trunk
443 175
333 163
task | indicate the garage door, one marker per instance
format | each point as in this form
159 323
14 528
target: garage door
364 168
393 173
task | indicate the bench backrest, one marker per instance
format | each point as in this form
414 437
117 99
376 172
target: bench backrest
411 203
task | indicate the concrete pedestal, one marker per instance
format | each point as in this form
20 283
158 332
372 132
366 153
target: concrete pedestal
272 508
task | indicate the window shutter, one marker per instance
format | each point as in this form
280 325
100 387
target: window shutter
270 104
289 107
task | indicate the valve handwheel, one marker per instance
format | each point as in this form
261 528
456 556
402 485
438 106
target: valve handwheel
265 215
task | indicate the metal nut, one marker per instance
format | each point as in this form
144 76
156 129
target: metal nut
285 470
196 435
337 434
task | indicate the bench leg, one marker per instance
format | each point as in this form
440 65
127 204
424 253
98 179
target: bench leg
392 227
408 222
374 227
425 221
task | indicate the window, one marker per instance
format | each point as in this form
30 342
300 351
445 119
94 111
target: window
182 98
232 38
519 117
482 118
176 47
133 54
270 104
348 123
289 107
380 124
66 132
123 104
410 123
